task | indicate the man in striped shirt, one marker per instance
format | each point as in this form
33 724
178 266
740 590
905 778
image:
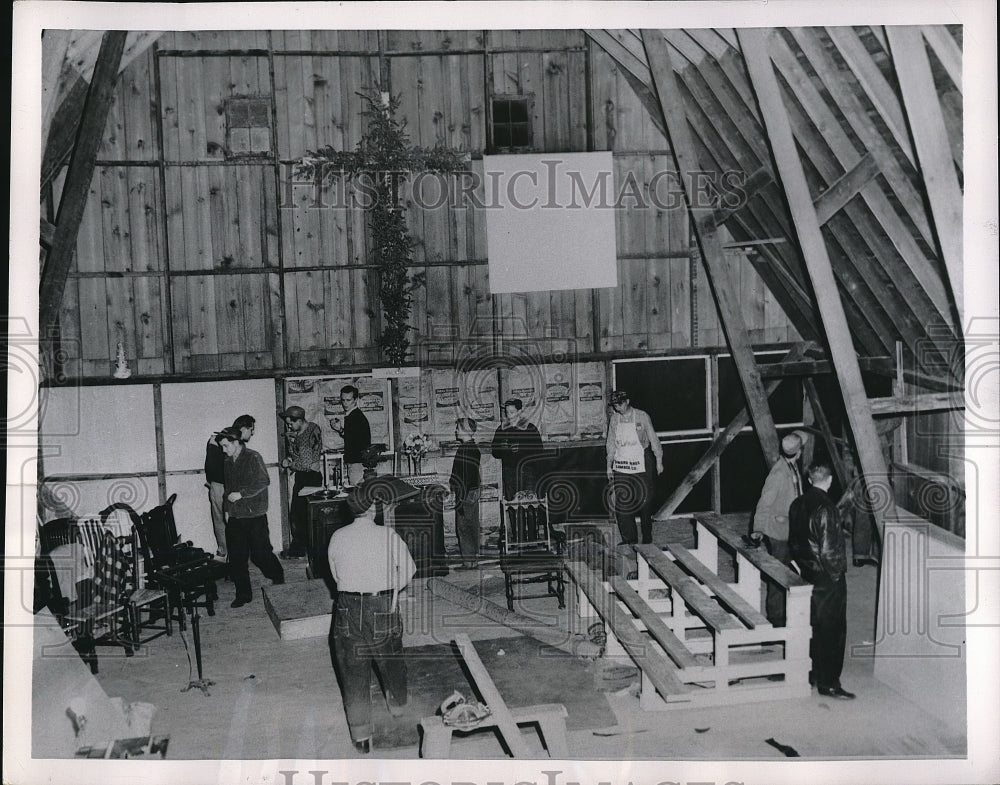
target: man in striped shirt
304 451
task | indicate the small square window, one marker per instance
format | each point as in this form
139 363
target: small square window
248 126
511 122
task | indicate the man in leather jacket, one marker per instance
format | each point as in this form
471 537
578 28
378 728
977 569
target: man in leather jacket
817 545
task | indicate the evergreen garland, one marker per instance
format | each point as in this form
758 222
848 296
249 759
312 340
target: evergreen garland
382 156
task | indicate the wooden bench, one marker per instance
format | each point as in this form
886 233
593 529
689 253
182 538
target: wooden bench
698 640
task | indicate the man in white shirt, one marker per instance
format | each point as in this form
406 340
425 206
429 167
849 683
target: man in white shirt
633 450
371 565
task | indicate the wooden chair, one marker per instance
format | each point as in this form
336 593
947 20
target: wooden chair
530 551
100 614
186 573
146 605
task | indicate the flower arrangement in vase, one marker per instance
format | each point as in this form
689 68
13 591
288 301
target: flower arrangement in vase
415 447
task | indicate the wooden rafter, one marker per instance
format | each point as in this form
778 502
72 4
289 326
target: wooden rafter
713 254
871 223
77 186
755 46
62 134
930 140
832 447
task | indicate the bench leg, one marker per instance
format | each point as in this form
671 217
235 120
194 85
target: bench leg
437 740
553 730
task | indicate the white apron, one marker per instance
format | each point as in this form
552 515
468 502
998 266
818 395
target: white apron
629 453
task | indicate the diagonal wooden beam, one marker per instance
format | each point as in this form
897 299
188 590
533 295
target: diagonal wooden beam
77 186
946 50
845 188
930 140
62 134
832 448
713 255
719 445
875 473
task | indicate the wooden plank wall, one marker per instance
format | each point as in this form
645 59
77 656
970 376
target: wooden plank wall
208 266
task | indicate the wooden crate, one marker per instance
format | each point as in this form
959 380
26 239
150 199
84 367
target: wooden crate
698 640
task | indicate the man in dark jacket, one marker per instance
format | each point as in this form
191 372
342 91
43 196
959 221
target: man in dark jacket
516 443
356 432
816 541
247 536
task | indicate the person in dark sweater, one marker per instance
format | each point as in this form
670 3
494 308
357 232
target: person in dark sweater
516 442
355 431
817 544
247 537
464 482
215 478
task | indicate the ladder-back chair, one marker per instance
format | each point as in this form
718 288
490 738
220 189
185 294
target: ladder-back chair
530 550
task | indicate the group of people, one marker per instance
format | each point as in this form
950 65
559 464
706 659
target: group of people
801 526
237 482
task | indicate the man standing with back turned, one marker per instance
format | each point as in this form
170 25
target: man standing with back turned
817 545
371 565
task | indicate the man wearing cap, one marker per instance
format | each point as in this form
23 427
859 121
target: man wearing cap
355 431
215 478
303 455
633 448
247 537
817 544
782 486
371 565
516 442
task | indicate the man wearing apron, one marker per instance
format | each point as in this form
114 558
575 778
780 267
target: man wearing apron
633 447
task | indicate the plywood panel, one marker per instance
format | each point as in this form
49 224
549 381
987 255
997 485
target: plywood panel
99 430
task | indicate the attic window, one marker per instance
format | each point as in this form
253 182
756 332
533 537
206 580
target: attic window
511 124
248 126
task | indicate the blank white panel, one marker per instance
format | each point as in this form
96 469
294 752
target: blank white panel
192 412
99 430
88 497
550 221
194 518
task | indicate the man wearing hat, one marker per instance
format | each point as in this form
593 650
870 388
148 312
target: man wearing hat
782 486
371 565
215 478
303 455
247 537
633 448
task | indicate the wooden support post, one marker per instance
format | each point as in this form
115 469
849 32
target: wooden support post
845 188
713 254
930 140
832 448
77 186
62 135
875 473
505 721
717 447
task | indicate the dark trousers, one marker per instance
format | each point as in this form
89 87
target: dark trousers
467 528
364 631
298 513
828 616
633 495
247 539
774 604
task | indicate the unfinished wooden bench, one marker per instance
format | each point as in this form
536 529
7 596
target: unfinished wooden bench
698 640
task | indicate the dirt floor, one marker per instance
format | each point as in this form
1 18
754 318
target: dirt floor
275 699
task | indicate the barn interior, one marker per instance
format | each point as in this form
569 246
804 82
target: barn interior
763 235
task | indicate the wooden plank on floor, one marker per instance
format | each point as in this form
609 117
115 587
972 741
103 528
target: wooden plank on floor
722 590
